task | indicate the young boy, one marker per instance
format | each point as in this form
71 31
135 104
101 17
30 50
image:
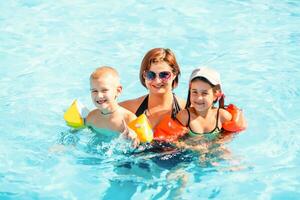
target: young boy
108 115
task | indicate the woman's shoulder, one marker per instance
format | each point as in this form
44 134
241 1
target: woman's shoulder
132 104
182 117
181 102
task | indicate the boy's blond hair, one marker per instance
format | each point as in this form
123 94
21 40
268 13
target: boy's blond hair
104 70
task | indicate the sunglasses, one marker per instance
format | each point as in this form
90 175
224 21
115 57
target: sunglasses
163 76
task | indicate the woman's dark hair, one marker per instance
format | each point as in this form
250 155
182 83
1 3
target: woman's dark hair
214 87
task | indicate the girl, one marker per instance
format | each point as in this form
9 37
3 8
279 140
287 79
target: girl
200 116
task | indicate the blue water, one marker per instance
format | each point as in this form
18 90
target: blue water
48 50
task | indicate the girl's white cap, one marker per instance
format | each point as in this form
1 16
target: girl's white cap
210 74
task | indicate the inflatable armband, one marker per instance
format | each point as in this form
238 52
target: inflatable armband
142 128
75 114
236 123
169 130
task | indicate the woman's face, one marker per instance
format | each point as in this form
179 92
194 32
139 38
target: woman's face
201 95
159 78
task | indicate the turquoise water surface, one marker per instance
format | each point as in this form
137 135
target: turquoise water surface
49 48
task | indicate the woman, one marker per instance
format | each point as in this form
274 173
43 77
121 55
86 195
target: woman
159 73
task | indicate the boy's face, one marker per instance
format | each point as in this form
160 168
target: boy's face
104 91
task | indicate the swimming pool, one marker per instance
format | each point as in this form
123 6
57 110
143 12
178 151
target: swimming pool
48 50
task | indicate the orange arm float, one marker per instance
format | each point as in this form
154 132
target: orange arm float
169 130
236 123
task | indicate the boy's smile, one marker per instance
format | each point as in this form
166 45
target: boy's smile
100 101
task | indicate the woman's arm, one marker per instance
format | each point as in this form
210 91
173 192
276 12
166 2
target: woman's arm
132 104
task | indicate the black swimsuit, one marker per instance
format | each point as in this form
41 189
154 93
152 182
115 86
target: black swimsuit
168 156
175 109
144 106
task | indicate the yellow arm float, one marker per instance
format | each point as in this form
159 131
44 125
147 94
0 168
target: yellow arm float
75 114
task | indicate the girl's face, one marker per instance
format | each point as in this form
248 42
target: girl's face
201 95
159 78
104 92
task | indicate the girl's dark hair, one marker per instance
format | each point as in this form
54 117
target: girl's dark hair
214 87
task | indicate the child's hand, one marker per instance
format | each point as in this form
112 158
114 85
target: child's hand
131 135
135 140
243 120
